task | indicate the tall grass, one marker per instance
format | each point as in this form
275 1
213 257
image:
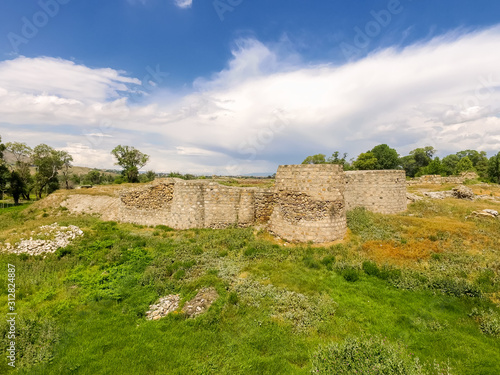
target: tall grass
82 309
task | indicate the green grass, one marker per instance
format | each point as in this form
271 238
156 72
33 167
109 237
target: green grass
82 309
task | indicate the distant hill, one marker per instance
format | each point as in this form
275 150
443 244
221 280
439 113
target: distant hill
11 160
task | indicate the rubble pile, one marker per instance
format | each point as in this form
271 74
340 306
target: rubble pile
57 237
165 306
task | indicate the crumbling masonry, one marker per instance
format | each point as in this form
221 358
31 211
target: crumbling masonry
308 202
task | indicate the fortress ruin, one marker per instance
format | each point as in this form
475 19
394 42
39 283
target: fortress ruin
307 203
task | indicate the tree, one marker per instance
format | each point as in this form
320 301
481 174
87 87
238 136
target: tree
47 162
22 153
365 161
66 166
315 159
464 165
2 149
387 158
479 161
449 164
418 158
434 167
16 186
93 177
423 156
4 171
131 160
494 168
148 176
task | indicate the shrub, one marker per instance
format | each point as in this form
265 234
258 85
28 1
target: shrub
310 262
233 298
371 268
328 262
365 356
489 321
454 287
350 274
164 228
35 340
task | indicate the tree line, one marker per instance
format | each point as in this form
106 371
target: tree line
419 162
43 169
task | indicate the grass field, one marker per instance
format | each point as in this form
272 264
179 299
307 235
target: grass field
424 284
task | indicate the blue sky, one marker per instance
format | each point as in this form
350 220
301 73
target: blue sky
241 86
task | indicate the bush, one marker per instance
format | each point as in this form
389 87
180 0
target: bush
233 298
310 262
328 262
350 274
370 268
164 228
365 356
489 321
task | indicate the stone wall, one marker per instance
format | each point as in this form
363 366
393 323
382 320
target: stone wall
439 180
195 204
381 191
309 203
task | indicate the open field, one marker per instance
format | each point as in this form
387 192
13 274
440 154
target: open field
425 283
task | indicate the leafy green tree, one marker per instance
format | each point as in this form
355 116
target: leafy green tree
93 177
418 158
434 167
131 160
464 165
48 162
2 149
494 168
4 171
423 156
148 176
22 153
449 164
365 161
387 158
479 161
66 159
315 159
16 186
409 164
336 159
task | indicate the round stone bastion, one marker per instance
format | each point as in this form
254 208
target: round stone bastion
309 203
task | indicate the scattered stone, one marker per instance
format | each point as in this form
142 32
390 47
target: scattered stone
163 307
439 194
200 304
463 192
484 213
58 237
413 197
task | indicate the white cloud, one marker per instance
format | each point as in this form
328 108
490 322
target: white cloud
184 3
266 108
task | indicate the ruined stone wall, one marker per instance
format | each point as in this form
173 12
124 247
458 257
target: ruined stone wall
264 205
194 204
309 203
381 191
439 180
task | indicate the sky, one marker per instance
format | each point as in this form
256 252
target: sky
235 87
